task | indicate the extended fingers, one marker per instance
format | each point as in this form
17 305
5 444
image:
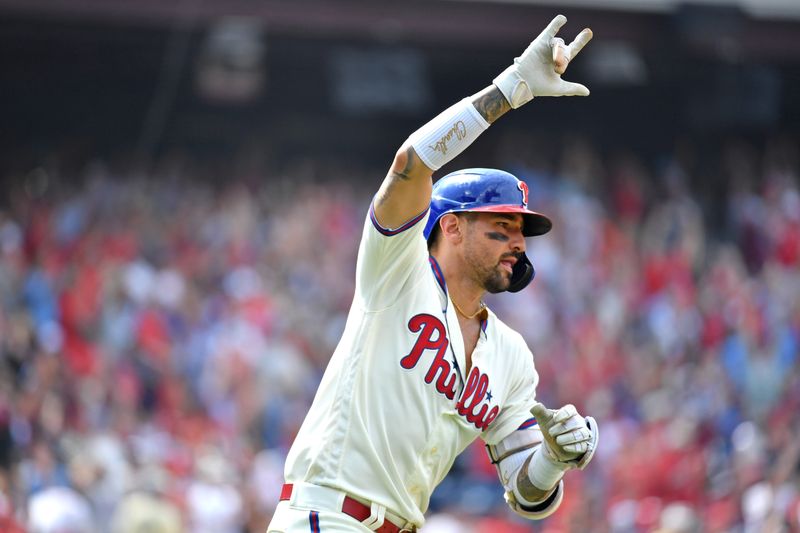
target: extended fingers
563 54
578 43
555 25
568 88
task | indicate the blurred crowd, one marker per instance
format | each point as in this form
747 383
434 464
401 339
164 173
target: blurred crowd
161 337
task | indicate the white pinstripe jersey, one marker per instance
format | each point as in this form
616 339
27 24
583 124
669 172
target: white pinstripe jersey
394 408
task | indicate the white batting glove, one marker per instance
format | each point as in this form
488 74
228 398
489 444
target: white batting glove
537 72
569 438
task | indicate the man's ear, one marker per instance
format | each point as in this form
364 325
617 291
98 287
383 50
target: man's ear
452 228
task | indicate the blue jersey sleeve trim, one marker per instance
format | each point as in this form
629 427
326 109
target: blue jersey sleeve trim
529 423
390 232
437 273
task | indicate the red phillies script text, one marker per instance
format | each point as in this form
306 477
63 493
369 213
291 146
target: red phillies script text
433 336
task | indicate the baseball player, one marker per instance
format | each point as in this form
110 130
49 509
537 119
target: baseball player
424 367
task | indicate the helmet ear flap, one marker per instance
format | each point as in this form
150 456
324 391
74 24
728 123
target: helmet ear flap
522 274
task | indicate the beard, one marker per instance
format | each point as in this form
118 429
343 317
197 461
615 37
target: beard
498 281
493 278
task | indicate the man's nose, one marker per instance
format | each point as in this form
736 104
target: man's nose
518 242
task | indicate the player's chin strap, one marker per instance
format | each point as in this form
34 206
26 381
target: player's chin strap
522 274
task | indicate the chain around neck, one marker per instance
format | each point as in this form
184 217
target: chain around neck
481 307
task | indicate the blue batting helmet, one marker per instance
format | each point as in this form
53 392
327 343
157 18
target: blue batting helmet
488 190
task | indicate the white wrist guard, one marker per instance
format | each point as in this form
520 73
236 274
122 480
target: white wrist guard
543 471
450 133
513 86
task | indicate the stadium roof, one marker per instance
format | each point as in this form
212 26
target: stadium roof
761 28
756 8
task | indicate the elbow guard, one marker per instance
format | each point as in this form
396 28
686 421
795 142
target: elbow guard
509 456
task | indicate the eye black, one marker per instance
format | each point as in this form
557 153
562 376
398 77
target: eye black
497 236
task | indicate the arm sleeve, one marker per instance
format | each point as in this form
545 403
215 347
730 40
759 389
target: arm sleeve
390 260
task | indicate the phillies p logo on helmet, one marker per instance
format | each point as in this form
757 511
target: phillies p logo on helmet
524 188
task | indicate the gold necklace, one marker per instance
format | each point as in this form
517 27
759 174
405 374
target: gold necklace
465 315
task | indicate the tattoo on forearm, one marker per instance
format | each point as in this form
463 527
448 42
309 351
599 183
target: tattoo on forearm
411 158
491 104
395 176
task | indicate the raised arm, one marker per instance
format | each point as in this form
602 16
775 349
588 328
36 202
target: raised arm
406 190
